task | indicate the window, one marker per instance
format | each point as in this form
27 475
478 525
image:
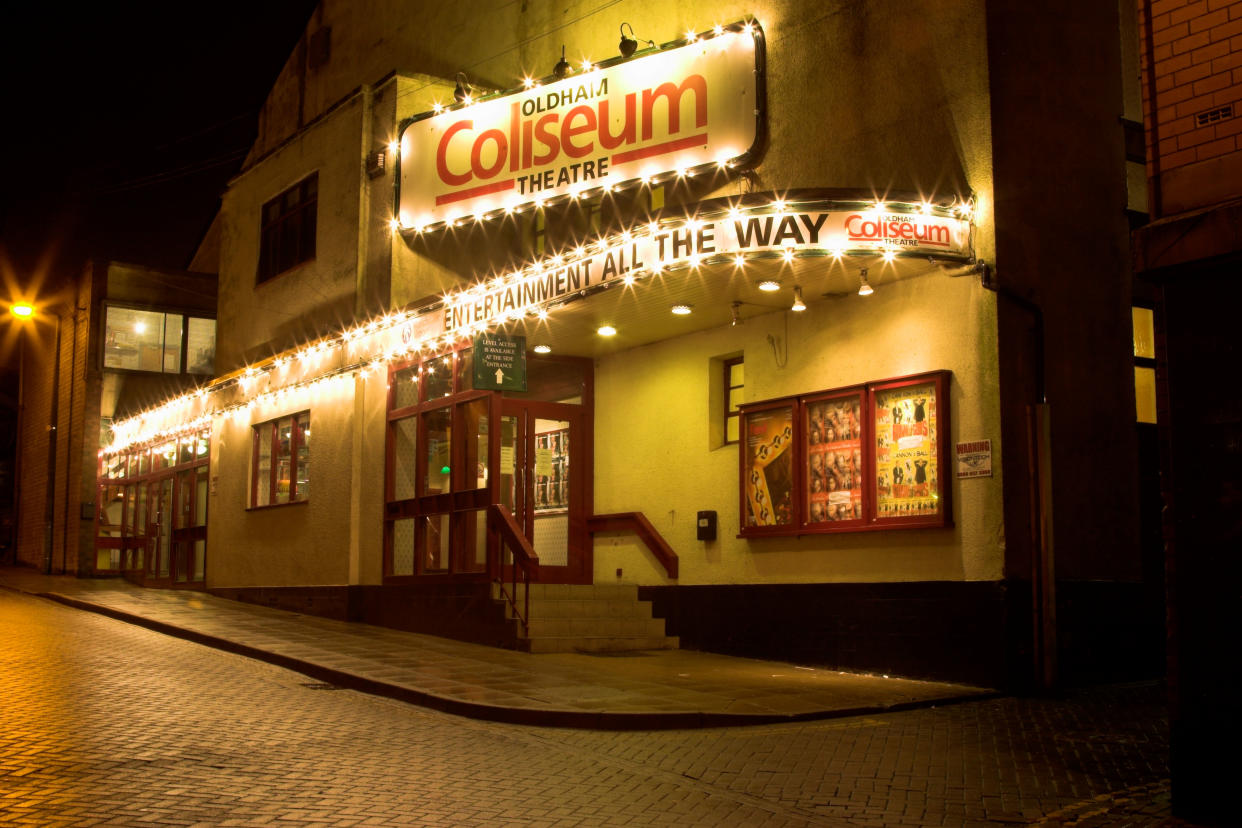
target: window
152 340
1144 364
287 237
734 383
281 461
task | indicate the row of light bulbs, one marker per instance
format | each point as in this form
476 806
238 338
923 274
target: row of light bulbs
132 432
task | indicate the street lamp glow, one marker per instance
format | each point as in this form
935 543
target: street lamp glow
22 310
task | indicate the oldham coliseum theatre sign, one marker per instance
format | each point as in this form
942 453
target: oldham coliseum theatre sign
675 109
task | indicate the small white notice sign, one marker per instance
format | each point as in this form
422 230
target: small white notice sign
974 458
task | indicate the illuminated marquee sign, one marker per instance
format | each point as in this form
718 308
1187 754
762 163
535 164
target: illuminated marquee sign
672 245
676 109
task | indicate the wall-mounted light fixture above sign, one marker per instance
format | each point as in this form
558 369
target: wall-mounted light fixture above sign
690 105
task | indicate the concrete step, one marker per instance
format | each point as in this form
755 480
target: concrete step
648 627
600 644
546 608
589 618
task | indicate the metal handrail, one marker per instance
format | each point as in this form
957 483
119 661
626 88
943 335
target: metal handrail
500 522
637 523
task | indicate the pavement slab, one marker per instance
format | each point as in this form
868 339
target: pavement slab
650 689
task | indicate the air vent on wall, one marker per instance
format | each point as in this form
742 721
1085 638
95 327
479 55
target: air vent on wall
1220 113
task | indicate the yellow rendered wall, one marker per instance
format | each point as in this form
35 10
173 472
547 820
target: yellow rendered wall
317 296
653 452
336 536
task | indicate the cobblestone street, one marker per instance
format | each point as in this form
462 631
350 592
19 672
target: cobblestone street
104 723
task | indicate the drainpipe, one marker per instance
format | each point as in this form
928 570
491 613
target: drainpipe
49 506
1039 485
73 370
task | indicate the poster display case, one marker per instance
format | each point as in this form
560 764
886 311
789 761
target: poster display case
846 460
768 471
834 474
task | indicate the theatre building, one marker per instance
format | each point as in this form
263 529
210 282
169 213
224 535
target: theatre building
758 328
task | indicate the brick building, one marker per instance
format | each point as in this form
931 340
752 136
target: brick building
115 341
1187 261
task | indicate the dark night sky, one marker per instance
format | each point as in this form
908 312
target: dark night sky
124 121
121 125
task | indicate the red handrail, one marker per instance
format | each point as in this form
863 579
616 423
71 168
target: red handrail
637 523
500 521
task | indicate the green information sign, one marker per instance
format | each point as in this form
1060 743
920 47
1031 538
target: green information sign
499 362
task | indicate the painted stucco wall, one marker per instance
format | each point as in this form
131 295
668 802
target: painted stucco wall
317 296
653 451
333 538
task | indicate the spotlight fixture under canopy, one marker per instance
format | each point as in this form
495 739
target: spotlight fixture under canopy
864 288
629 44
769 285
562 67
606 330
461 92
543 349
798 304
682 310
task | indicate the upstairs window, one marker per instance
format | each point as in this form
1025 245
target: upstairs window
163 343
288 232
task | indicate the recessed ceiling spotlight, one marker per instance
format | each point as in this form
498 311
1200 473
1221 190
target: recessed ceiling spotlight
682 310
606 330
543 349
769 285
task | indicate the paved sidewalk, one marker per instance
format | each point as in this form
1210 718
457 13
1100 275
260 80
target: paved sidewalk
646 690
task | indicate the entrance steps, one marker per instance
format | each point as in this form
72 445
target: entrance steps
567 618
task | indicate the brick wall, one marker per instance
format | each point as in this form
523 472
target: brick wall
1191 60
56 388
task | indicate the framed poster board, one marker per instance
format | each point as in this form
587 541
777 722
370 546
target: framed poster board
909 444
854 459
833 475
768 471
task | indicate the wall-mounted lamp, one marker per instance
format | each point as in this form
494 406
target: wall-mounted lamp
864 289
629 45
562 68
461 92
798 304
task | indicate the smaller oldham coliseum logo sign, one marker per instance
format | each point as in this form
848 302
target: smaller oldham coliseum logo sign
677 108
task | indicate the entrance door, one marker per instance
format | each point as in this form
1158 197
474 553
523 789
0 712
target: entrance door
189 535
543 455
159 526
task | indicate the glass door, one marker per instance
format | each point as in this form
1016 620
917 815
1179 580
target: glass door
542 453
189 535
159 526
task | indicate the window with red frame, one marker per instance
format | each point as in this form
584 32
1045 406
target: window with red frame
281 461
